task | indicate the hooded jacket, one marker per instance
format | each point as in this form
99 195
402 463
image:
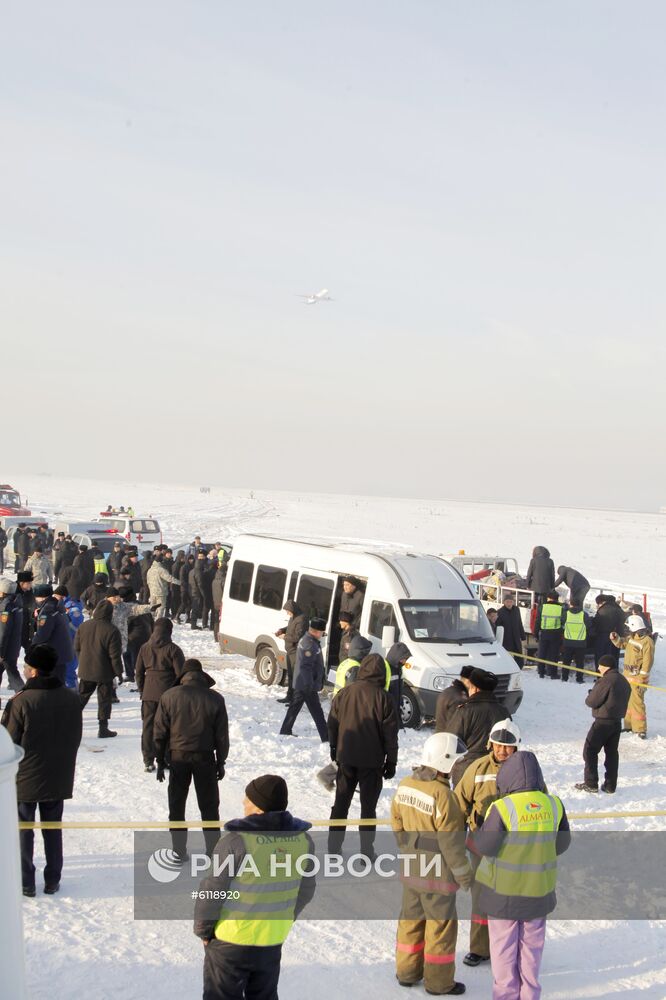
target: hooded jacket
45 719
362 723
99 648
231 844
540 575
159 664
447 704
574 580
191 721
296 628
347 670
519 773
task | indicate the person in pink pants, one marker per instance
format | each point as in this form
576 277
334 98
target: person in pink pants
516 947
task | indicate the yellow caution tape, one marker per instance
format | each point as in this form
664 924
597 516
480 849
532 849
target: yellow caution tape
216 824
580 670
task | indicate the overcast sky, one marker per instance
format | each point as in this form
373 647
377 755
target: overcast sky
480 186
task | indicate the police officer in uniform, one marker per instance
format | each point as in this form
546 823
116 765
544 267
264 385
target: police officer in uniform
574 641
309 673
548 630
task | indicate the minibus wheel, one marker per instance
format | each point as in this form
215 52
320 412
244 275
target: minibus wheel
410 712
265 666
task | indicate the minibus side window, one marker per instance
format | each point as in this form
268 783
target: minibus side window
292 585
314 596
269 587
381 614
241 580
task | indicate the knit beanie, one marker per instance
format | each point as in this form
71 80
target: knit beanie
268 792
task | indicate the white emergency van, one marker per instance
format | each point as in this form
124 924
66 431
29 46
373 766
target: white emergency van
420 600
144 532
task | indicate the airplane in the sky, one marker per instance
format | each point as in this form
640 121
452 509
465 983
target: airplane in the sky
314 297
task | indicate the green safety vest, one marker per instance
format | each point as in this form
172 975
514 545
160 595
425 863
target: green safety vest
100 567
527 862
574 626
551 617
264 913
348 664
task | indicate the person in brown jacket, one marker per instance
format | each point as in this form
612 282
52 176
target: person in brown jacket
428 925
99 651
638 659
159 666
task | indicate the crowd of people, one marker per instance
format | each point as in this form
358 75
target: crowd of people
109 621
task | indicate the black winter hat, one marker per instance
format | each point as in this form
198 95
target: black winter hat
43 590
318 623
113 592
268 792
483 679
344 616
42 658
101 578
25 576
608 661
61 591
466 672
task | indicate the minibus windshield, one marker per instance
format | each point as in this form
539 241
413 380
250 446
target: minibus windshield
446 621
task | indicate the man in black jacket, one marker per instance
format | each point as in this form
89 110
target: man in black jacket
24 592
292 635
474 719
578 585
197 589
363 735
96 592
185 606
397 656
98 646
21 548
351 600
191 726
309 673
158 667
348 631
608 699
52 628
447 703
45 719
548 628
509 618
609 618
540 573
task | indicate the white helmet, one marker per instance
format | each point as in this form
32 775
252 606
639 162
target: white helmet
635 623
441 751
506 733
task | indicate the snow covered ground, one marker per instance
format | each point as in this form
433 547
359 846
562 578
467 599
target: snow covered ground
84 942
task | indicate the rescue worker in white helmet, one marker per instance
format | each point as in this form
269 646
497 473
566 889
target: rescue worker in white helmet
428 927
638 659
475 792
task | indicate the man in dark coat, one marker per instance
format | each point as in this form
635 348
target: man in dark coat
191 726
145 564
114 562
11 630
540 573
292 635
99 648
397 656
185 606
351 600
96 592
21 548
575 581
609 618
218 592
85 564
197 589
363 736
72 578
3 546
58 545
447 704
509 618
24 592
66 554
52 628
158 667
45 719
474 719
348 632
309 674
608 699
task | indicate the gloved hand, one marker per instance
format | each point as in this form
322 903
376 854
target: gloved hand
333 752
389 769
160 775
464 879
220 771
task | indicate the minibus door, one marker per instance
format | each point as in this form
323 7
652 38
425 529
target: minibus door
314 597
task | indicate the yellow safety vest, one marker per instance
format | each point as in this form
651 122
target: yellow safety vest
100 567
264 912
346 665
551 617
574 626
527 862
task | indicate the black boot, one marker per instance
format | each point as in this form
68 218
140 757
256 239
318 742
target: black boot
104 733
